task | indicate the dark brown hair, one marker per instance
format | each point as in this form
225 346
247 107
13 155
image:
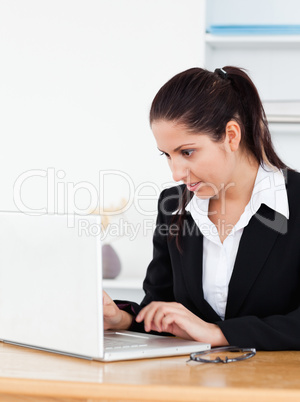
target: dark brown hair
204 102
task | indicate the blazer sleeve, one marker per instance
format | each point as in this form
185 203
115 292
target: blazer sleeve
276 332
158 283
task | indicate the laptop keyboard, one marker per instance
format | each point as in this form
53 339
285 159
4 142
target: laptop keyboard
120 341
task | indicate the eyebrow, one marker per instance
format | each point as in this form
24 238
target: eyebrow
180 146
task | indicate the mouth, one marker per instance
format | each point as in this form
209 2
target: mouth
193 186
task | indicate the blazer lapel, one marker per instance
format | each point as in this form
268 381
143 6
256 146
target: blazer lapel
255 245
191 261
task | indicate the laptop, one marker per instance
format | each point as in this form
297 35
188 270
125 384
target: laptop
51 291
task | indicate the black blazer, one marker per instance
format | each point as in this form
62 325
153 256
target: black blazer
263 305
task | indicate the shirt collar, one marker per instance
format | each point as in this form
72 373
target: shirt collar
270 189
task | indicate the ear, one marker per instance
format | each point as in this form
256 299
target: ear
233 135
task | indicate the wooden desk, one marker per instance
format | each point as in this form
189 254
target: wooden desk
30 375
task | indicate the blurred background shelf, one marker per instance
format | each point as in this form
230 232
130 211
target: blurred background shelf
128 283
254 41
124 288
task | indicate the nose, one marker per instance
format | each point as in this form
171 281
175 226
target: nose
179 171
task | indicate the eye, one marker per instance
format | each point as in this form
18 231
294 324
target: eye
187 152
164 153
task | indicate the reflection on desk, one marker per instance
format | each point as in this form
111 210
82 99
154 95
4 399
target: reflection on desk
42 376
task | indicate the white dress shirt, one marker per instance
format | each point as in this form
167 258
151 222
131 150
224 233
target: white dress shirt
218 258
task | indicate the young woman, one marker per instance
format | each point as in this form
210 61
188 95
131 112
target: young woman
226 260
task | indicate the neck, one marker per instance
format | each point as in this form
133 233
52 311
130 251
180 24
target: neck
241 184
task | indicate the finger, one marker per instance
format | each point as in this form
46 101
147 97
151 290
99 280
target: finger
168 320
147 315
148 318
141 315
182 325
158 317
154 315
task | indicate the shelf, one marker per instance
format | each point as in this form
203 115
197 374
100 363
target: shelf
254 41
284 128
284 119
130 283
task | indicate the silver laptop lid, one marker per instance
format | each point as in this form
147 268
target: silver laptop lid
51 282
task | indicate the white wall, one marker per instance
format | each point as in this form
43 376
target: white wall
77 79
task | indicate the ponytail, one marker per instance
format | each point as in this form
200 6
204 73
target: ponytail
256 136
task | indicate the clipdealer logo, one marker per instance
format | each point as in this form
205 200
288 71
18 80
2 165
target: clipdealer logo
60 196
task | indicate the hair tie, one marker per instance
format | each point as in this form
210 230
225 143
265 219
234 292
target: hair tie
222 73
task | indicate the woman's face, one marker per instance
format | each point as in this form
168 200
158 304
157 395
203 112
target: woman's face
205 166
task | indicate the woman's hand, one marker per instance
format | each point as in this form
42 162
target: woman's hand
179 321
113 317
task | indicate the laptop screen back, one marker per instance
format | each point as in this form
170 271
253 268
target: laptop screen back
51 281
